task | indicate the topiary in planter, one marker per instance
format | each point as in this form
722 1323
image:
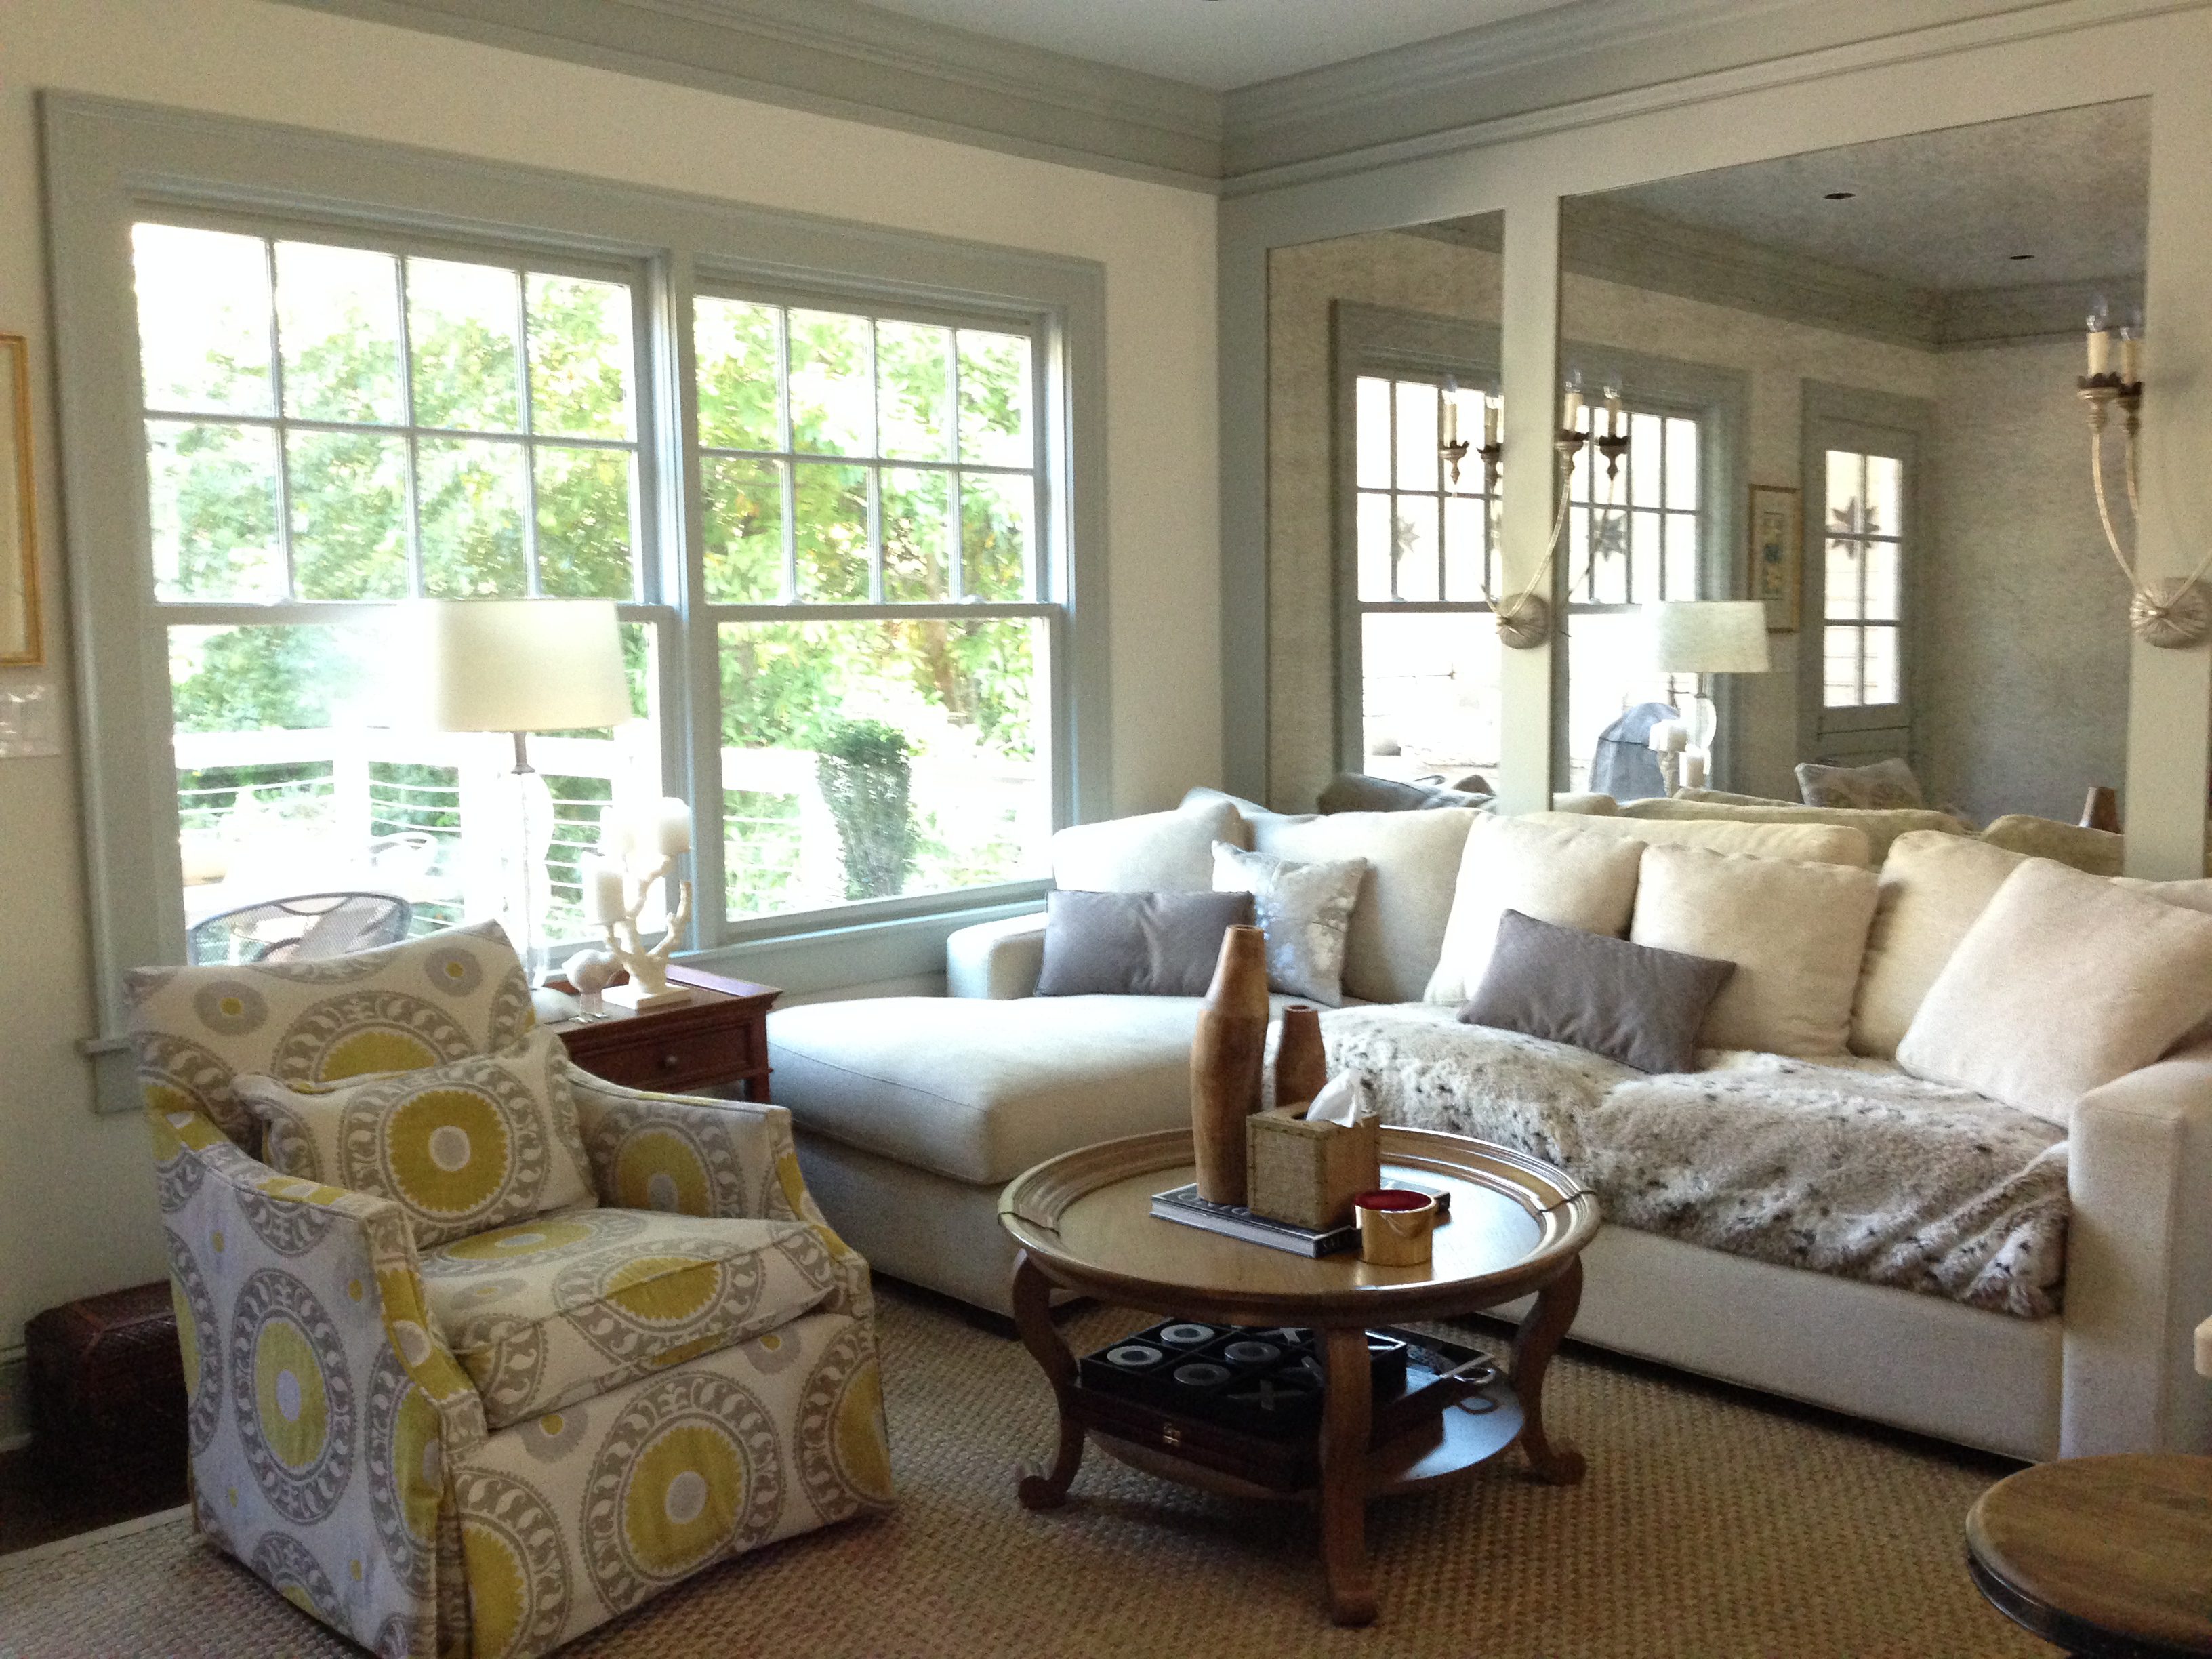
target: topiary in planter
865 776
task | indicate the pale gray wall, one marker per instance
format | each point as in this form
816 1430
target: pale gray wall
2024 653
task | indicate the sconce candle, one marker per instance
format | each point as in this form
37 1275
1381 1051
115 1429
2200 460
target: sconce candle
1571 420
1451 410
1491 407
2131 354
2100 345
1613 415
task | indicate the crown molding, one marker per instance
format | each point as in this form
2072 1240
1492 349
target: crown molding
861 62
1690 64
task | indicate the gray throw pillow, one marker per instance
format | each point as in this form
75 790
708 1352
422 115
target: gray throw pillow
1633 1003
1306 911
1885 783
1136 945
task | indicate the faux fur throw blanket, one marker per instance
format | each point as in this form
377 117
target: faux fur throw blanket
1845 1166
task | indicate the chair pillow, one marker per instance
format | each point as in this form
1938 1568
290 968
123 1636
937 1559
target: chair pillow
1136 945
1641 1007
473 1144
1796 932
1883 783
1554 873
1305 912
2065 982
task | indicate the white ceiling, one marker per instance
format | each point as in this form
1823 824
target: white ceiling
1944 211
1218 44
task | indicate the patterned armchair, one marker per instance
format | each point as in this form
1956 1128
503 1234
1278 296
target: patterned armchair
488 1446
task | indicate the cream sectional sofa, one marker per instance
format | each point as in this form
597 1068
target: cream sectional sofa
912 1113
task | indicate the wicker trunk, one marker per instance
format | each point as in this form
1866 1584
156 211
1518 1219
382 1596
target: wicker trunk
108 1393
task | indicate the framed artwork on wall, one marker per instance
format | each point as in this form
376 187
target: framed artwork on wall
20 643
1777 573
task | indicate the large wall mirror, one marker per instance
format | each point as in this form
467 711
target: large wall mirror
1383 562
1847 382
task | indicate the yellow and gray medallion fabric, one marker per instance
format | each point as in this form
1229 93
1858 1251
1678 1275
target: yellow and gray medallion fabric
712 1350
418 1003
462 1147
566 1307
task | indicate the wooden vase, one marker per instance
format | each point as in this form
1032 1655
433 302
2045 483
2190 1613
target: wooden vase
1228 1061
1301 1060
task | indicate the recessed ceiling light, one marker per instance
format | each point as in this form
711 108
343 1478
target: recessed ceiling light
2019 256
1841 195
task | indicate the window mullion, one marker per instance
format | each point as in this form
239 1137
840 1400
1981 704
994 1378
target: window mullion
956 555
787 440
533 579
276 409
414 451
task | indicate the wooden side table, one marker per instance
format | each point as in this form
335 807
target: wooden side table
2106 1557
717 1039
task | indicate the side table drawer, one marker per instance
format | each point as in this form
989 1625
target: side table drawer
672 1061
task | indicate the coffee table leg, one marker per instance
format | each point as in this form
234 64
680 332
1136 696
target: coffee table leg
1033 1319
1347 1425
1533 1344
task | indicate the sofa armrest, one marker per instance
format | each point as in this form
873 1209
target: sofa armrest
692 1155
1000 960
2139 1262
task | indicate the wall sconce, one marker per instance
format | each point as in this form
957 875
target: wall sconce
2173 614
1525 620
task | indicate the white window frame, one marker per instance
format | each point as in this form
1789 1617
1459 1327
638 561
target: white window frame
109 165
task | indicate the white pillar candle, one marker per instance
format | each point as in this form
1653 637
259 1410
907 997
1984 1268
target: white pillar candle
604 900
671 830
1490 413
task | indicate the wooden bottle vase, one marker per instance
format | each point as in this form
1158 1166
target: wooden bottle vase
1301 1059
1228 1061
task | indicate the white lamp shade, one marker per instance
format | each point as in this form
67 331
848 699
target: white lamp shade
1709 636
514 664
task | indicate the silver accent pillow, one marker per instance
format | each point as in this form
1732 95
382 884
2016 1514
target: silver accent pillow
1305 910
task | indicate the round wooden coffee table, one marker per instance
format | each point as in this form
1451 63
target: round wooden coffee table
1084 1223
2109 1556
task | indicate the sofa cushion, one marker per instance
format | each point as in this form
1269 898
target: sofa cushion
1811 843
979 1091
1882 826
1627 1002
1845 1166
1397 928
1931 888
2096 852
565 1308
2064 983
1553 873
1797 933
1152 853
475 1143
1139 945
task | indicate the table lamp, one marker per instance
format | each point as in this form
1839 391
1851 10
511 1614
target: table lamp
1707 636
518 666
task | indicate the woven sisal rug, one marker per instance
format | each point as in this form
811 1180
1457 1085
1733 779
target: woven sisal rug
1711 1525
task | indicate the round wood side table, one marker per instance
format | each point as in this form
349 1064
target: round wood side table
1518 1225
2109 1558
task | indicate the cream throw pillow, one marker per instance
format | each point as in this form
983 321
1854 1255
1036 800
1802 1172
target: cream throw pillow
1810 843
1934 885
462 1148
2065 982
1150 853
1796 932
1397 927
1559 875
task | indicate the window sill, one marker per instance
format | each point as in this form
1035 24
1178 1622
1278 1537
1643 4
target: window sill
813 957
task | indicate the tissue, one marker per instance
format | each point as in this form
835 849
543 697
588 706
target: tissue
1343 1101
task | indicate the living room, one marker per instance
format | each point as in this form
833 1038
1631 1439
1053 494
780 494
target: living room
956 402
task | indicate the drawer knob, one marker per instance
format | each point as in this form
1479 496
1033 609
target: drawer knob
669 1061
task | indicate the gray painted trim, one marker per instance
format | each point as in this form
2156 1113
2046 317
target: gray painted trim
106 161
1880 415
859 62
2004 316
1367 339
